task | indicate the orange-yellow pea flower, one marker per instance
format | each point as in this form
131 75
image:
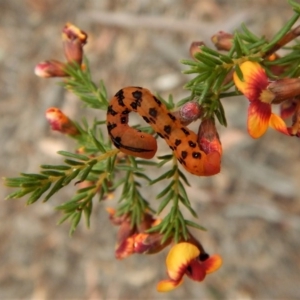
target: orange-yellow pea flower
60 122
254 87
135 239
187 259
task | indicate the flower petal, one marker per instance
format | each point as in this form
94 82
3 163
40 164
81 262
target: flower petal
196 270
168 285
288 108
255 80
73 42
149 243
179 258
278 124
259 114
213 263
125 248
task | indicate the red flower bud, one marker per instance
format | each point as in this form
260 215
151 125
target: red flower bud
209 142
284 89
188 113
222 40
50 68
73 42
74 33
195 48
60 122
208 137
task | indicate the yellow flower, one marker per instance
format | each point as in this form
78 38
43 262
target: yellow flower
187 259
255 88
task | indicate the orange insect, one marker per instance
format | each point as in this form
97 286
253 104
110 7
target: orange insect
182 141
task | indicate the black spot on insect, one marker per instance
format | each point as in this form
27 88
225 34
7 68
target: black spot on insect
172 117
117 141
184 154
181 161
172 148
166 136
116 145
110 111
126 111
159 134
146 119
153 112
185 131
192 144
152 121
133 105
120 96
157 101
111 126
137 95
167 129
196 154
177 142
123 120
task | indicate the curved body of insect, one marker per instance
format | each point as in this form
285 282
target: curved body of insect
182 141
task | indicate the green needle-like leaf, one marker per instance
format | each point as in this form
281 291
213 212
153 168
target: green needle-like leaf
38 193
165 201
35 176
73 155
57 186
195 225
58 168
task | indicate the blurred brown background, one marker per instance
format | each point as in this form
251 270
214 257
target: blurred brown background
251 209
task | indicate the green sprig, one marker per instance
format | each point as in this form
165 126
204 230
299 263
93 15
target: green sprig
173 225
100 166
